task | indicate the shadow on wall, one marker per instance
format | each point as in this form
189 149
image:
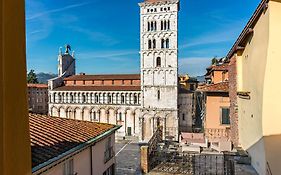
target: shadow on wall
266 155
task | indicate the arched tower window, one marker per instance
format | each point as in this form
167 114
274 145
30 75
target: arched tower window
165 25
149 44
162 43
148 26
162 25
167 43
168 24
158 95
155 26
158 62
154 43
151 26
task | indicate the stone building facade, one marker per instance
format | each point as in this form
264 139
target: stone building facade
38 98
141 103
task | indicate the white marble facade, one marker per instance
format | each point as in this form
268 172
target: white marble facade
142 111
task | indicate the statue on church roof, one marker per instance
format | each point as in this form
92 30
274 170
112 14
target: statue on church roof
67 48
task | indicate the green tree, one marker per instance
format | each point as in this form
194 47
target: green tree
32 77
214 60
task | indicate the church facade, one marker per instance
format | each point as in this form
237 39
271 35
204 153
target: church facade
141 103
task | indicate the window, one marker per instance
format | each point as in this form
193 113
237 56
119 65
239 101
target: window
149 44
168 25
120 116
68 167
154 43
183 117
158 62
148 26
151 26
162 43
83 98
165 25
71 98
155 26
96 98
109 98
167 43
122 99
108 153
135 99
225 119
168 8
158 95
93 116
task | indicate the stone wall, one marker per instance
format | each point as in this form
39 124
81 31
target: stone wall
233 101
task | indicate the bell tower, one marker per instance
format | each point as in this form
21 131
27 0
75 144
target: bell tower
159 60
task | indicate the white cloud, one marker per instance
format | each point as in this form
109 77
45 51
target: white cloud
47 12
114 55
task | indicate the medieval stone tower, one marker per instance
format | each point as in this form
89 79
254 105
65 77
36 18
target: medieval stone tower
159 67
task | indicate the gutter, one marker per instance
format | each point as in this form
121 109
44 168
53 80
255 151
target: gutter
41 168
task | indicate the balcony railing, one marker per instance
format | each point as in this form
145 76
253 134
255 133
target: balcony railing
212 133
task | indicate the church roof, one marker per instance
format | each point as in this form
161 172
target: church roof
105 77
98 88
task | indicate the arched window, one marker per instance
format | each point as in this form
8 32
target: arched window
96 98
162 26
148 26
167 43
135 99
158 95
168 25
165 25
154 43
162 43
158 62
71 98
83 98
155 26
122 99
109 98
94 116
151 26
149 44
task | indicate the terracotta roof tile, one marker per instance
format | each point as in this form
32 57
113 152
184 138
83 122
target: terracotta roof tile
218 87
52 136
98 88
37 85
105 77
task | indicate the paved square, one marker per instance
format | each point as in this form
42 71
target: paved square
127 158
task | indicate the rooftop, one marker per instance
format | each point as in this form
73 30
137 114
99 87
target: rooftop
98 88
218 87
52 137
37 85
105 77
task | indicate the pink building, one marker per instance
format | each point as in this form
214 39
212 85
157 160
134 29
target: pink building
64 146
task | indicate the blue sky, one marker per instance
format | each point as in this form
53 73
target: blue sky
105 34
